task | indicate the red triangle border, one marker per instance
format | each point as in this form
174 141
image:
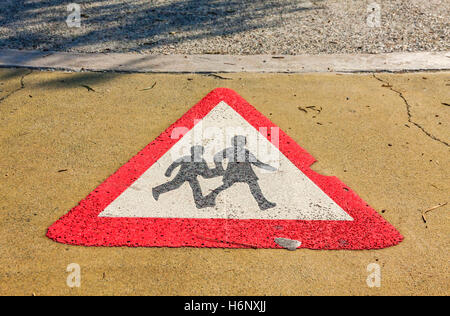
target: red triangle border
82 226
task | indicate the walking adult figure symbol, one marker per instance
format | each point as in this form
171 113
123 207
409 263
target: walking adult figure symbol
191 167
239 169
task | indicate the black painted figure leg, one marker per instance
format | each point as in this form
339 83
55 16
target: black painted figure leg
166 187
197 193
210 199
263 203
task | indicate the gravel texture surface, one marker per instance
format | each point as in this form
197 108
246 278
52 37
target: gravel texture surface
227 27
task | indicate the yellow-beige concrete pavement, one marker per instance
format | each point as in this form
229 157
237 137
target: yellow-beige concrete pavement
385 135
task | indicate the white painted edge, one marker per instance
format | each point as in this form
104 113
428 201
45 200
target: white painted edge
141 63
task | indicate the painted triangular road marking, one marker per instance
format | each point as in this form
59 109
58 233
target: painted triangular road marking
223 176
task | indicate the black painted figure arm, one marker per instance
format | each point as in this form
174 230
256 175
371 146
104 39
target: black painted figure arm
208 173
260 164
173 166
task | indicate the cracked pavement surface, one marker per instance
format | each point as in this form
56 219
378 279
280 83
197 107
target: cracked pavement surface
60 140
409 112
6 91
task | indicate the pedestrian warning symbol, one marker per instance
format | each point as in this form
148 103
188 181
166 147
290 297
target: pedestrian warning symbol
223 175
238 170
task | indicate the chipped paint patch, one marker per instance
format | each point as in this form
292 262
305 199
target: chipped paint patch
288 244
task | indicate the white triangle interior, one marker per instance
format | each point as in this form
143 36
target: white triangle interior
295 195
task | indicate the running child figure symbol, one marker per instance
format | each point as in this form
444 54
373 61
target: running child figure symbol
239 170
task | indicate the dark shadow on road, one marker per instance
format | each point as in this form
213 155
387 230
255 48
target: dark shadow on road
40 25
142 24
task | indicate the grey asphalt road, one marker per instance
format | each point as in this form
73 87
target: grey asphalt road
227 27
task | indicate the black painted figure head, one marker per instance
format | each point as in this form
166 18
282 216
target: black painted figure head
239 141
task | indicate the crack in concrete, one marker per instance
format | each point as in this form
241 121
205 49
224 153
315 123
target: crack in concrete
386 84
22 86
